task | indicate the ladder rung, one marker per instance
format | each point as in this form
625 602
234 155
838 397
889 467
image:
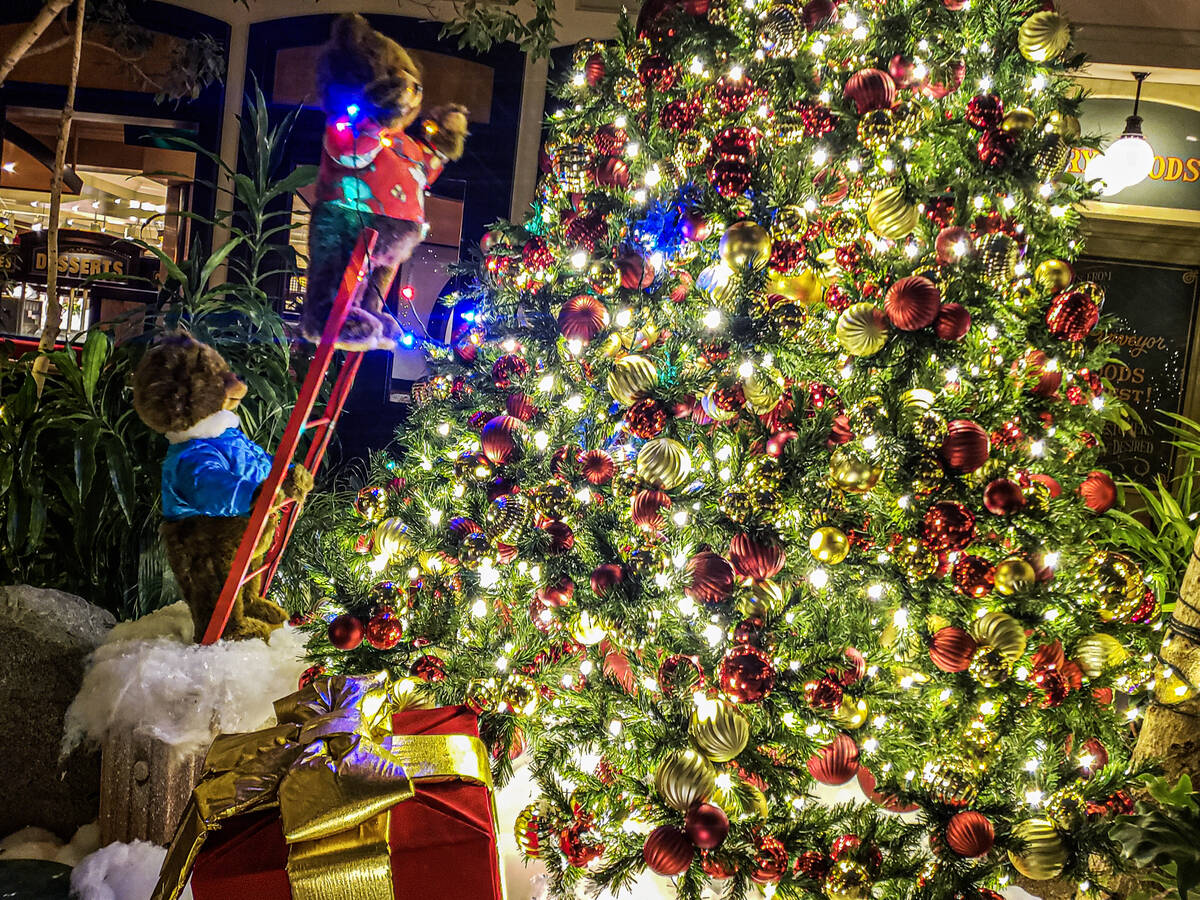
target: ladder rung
314 423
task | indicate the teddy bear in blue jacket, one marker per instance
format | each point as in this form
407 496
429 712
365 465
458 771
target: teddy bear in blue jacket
211 476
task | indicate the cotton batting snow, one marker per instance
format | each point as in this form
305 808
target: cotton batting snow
148 677
120 872
38 843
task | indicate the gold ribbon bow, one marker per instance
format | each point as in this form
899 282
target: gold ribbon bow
334 770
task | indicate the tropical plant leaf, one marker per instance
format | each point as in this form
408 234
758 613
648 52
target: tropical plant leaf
95 352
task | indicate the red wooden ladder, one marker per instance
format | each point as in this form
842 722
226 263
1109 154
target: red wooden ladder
299 425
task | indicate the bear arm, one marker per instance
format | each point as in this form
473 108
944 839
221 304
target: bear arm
213 489
353 146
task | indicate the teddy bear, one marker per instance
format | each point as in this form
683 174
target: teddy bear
211 477
372 175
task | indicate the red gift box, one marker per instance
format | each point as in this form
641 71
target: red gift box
442 841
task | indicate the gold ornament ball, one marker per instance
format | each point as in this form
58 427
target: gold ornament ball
1114 582
719 283
1001 632
1043 36
763 389
631 378
1097 653
719 730
520 694
527 827
588 629
989 667
851 713
1019 120
915 402
664 463
915 559
853 474
371 503
1043 853
862 329
742 797
790 223
829 545
1065 126
392 537
1014 576
745 244
949 781
604 277
928 476
1091 290
766 597
691 149
684 777
1066 809
804 287
891 215
848 879
1054 275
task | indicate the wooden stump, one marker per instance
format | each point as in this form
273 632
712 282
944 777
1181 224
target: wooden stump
144 787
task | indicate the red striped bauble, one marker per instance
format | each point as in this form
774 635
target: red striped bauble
965 447
951 649
501 439
710 578
1003 497
953 322
1072 316
1099 492
582 318
835 763
757 558
912 303
605 577
646 509
597 466
668 851
871 89
519 406
970 833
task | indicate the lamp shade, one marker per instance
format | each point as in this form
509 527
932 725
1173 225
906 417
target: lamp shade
1130 158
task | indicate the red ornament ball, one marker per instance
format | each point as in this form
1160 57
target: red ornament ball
1042 382
346 632
901 69
953 322
428 668
1099 492
577 845
646 418
668 851
973 576
1003 497
730 177
746 674
605 577
560 593
657 73
965 447
1072 316
870 89
519 406
770 860
610 140
309 675
611 172
680 115
597 466
733 95
582 318
706 825
951 649
912 303
952 244
816 14
970 833
757 558
594 69
710 578
646 509
501 439
508 367
984 112
693 225
384 629
562 538
636 273
587 231
835 763
738 143
947 526
1050 482
954 5
995 147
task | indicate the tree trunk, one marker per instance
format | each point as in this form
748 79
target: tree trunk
53 324
29 36
1170 733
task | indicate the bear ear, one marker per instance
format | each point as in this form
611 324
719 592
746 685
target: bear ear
348 29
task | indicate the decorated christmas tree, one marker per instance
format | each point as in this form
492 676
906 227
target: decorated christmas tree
766 460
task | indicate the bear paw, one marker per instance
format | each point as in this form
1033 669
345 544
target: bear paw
446 130
248 629
264 610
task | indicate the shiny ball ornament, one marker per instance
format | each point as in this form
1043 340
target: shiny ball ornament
611 172
710 578
746 675
1019 120
836 762
631 378
984 112
384 630
684 777
371 503
997 253
1014 576
604 278
730 177
870 89
706 825
790 223
1099 492
782 30
928 476
745 244
502 439
852 474
528 828
952 244
664 463
589 630
1043 853
851 714
770 860
989 667
572 165
756 558
694 225
1114 583
973 576
862 329
646 509
891 215
804 287
691 149
951 649
914 559
829 545
763 389
1054 275
952 323
719 283
719 730
346 632
1000 632
507 518
1003 497
1072 315
912 303
970 833
1043 37
667 851
597 466
391 537
947 526
582 318
1051 157
847 879
1098 653
965 447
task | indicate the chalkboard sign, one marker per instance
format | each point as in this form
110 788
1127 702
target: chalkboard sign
1154 307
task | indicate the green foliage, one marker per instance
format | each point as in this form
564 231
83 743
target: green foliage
79 472
479 26
1163 838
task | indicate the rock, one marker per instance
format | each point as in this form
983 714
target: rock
45 639
34 879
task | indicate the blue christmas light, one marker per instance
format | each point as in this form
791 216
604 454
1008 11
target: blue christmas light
352 110
406 339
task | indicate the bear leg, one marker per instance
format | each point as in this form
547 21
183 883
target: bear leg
332 235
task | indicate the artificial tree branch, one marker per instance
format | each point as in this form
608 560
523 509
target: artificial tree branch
53 326
30 35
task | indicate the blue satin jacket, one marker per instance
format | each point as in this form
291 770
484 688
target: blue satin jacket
214 476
